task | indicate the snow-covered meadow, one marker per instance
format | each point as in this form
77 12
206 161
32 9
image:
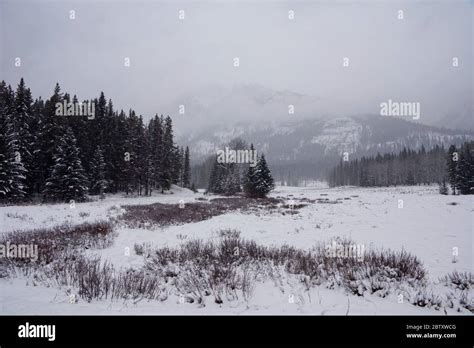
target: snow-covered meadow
416 219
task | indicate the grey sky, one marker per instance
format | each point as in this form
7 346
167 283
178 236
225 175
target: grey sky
173 60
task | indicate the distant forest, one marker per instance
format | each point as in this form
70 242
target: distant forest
65 157
410 167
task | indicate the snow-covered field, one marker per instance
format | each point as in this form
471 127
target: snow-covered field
416 219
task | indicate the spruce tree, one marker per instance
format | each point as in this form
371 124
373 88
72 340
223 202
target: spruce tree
51 130
229 178
12 171
177 163
264 179
35 170
258 181
452 159
22 123
133 132
98 182
167 156
465 169
155 131
250 182
250 179
186 169
217 178
135 157
67 180
212 177
142 170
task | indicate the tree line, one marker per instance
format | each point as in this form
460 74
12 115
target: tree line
410 167
460 170
65 157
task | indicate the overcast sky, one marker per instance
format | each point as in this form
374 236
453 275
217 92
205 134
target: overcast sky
174 60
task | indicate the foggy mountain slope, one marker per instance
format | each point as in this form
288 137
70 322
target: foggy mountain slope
310 147
464 120
310 140
223 106
217 105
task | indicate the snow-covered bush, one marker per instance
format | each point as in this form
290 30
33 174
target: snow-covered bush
229 233
225 269
170 214
51 243
230 262
424 298
459 280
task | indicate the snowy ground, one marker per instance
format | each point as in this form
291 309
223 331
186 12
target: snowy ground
427 225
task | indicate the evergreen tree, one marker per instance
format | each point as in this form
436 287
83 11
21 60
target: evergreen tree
51 130
155 131
67 180
264 183
250 179
452 163
186 169
98 181
35 170
135 157
118 164
12 171
22 123
177 163
148 162
250 182
465 169
142 169
258 181
229 178
167 156
133 142
225 178
215 180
